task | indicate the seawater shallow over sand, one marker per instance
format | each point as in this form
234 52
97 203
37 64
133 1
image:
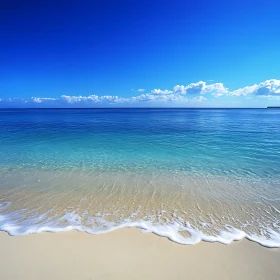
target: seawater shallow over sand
187 174
184 208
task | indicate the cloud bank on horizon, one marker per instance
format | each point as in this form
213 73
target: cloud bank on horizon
193 94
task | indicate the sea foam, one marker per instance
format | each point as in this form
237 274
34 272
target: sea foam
171 230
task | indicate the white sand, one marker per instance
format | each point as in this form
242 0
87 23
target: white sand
131 254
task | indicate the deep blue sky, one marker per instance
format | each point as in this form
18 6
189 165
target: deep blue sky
51 48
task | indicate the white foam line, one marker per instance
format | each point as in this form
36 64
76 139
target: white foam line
169 230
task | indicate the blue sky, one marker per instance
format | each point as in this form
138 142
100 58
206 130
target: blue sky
178 53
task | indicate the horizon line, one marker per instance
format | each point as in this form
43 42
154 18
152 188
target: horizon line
86 108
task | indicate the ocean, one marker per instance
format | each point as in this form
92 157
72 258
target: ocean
185 174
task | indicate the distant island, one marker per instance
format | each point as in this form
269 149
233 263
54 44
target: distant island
273 107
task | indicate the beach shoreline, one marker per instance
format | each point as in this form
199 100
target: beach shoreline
131 254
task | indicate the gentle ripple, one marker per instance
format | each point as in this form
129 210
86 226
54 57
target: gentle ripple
187 174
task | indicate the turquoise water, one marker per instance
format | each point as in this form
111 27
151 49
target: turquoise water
224 158
223 142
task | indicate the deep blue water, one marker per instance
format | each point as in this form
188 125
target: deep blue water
237 142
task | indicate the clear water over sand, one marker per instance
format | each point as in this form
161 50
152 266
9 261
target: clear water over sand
187 174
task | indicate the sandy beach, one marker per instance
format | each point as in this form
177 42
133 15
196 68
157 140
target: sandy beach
131 254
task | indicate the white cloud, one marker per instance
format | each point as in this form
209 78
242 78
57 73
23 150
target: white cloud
201 88
267 88
216 89
180 89
93 99
195 88
37 100
41 100
160 91
180 95
141 90
218 94
244 91
75 99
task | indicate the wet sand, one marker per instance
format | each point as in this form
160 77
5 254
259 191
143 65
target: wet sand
131 254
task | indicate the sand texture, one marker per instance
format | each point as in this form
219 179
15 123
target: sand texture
131 254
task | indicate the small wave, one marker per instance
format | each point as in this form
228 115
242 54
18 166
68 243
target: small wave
171 230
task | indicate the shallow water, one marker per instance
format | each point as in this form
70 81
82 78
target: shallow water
187 174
